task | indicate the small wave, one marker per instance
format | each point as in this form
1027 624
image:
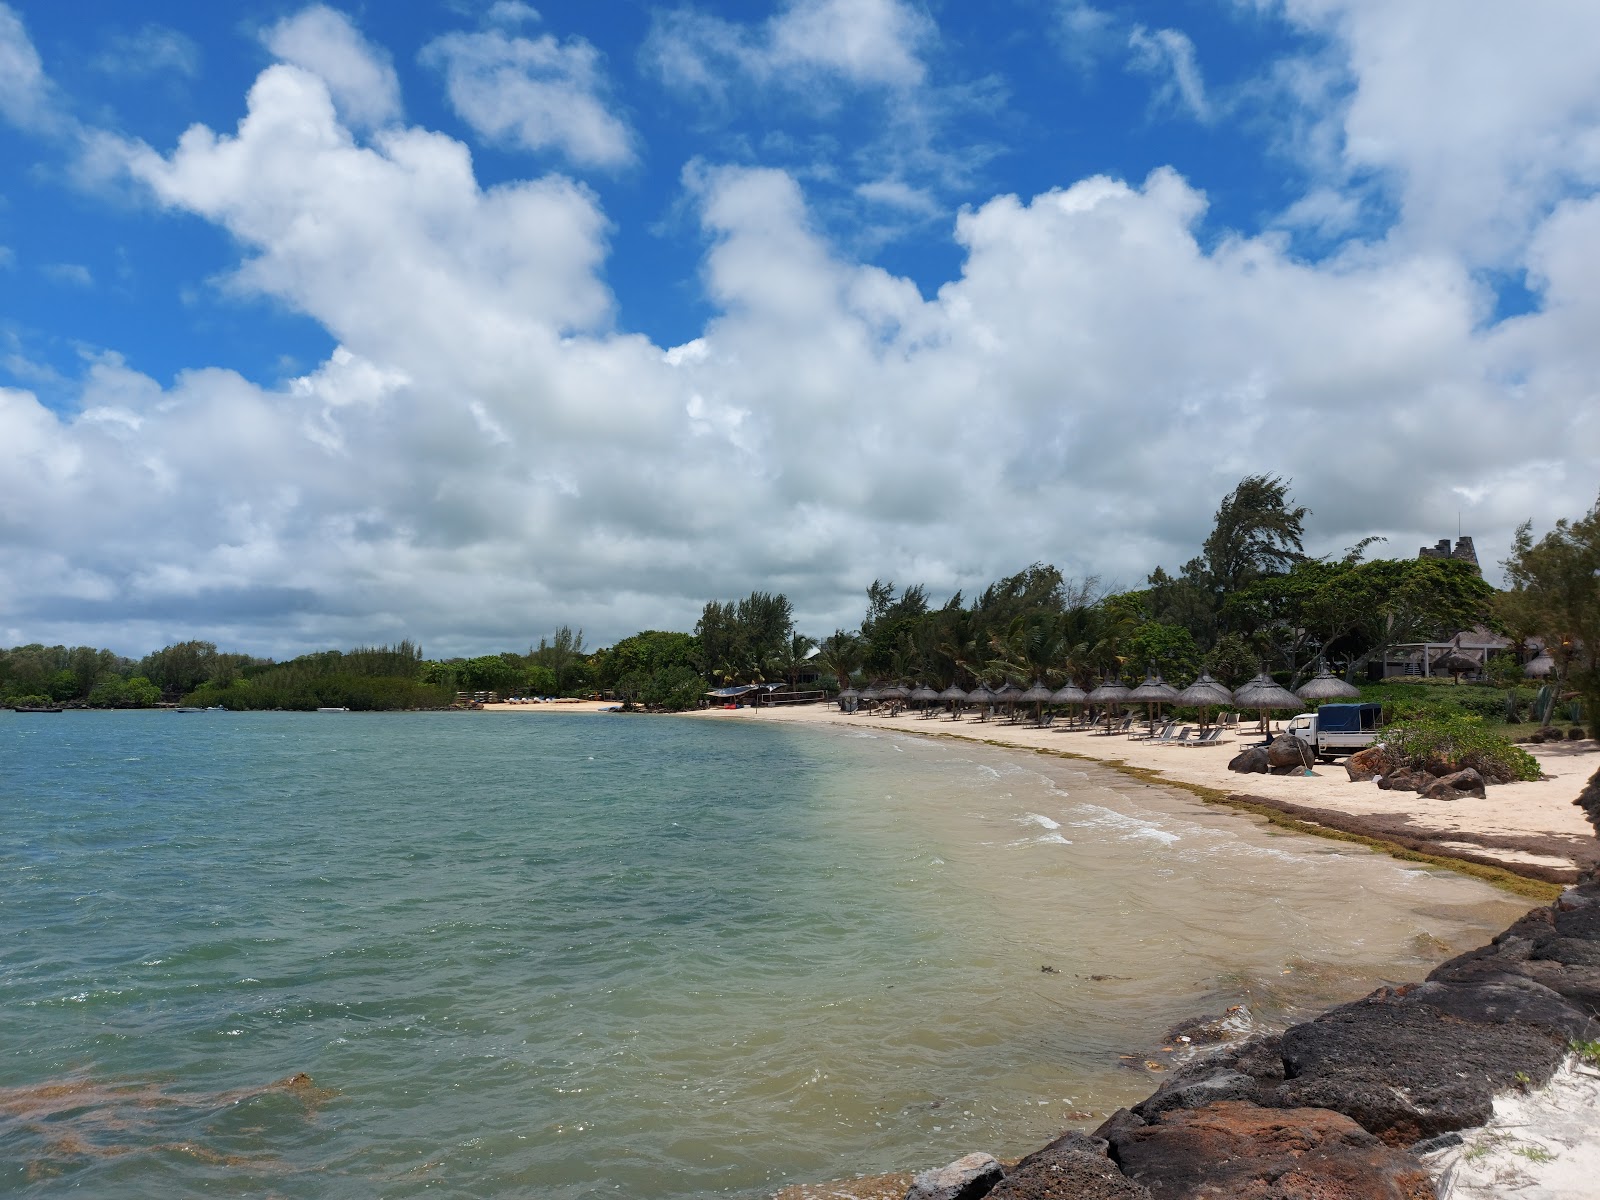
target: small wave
1047 839
1036 819
1133 827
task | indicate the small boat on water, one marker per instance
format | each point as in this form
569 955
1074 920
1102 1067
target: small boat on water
188 708
333 710
37 708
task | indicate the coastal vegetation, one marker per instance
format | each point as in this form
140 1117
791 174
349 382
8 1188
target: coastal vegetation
1249 600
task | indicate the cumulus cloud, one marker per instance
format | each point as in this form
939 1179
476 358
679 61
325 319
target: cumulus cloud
536 93
865 43
359 76
485 456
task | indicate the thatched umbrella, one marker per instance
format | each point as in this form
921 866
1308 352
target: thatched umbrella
1265 696
1038 696
848 699
1541 666
1110 693
1325 686
1008 694
1069 693
923 694
1204 693
980 695
895 692
955 696
1153 693
872 692
1457 664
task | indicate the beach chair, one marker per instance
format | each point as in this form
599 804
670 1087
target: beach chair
1047 721
1183 736
1211 737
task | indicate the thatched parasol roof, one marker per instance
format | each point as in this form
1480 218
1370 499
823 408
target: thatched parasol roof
981 695
850 693
1154 690
895 692
1111 692
1069 693
872 692
1037 694
1541 666
1262 693
953 693
1007 693
922 693
1325 685
1205 692
1456 663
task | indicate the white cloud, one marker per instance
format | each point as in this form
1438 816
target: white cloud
1480 116
1169 55
1085 33
485 457
25 92
359 76
69 274
864 43
152 50
537 93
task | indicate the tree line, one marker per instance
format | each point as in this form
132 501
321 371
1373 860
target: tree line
1250 599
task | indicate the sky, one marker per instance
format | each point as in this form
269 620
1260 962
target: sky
463 320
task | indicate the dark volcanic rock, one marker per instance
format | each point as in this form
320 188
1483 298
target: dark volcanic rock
1456 785
1250 762
1237 1149
1073 1167
1223 1084
1286 750
1589 801
1410 1063
1366 764
1405 779
970 1177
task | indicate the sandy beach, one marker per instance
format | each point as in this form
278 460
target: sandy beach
1531 829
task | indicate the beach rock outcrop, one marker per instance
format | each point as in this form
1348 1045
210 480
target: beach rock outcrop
1073 1167
1286 750
1457 784
1250 762
1236 1148
1368 764
970 1177
1589 801
1406 779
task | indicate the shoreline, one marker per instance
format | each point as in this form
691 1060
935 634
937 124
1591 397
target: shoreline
1527 838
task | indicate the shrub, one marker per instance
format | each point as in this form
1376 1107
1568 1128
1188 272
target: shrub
1443 743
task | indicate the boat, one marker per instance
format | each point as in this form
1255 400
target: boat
333 710
37 708
188 708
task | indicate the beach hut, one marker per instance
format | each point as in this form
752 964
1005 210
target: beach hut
1541 666
1457 664
1325 686
1205 693
956 696
1265 696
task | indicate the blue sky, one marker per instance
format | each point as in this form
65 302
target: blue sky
494 317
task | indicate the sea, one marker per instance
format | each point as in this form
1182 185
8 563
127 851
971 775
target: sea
575 955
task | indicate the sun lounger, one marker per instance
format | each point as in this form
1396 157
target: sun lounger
1211 737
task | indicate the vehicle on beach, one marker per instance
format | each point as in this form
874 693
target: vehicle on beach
1336 729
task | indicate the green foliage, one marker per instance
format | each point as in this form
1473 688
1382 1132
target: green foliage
1441 742
116 692
653 668
1170 649
741 641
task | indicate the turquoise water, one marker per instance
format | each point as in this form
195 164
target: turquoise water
565 955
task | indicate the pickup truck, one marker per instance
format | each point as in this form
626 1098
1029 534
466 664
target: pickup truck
1336 729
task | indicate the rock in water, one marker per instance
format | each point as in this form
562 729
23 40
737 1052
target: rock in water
1286 750
1074 1165
1455 785
968 1178
1250 762
1367 764
1235 1148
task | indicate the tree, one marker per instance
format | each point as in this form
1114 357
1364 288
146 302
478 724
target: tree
1554 593
840 652
1255 533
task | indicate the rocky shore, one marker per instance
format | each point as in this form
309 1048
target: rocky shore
1373 1099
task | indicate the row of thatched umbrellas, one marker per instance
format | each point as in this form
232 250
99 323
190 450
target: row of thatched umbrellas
1260 694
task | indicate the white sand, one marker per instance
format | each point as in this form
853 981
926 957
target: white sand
1540 1145
1537 809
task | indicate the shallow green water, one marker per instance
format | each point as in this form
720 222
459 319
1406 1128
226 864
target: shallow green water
572 955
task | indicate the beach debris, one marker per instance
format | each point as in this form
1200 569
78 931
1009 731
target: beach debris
1049 971
968 1178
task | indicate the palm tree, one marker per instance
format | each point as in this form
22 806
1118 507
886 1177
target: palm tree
840 652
